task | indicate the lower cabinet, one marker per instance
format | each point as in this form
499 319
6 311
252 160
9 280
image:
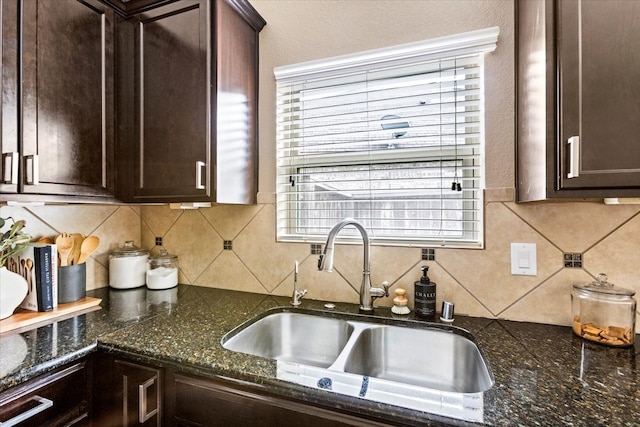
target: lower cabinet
58 398
127 393
214 402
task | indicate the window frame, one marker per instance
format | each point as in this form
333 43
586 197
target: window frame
465 44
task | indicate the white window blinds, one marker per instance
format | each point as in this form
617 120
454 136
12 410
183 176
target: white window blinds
392 138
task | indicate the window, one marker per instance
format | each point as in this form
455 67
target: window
392 138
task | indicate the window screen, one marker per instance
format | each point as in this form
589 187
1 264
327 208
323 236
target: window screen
394 141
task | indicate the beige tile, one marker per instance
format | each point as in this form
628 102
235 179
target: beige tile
183 279
387 263
347 262
256 246
159 218
229 220
34 225
487 273
114 225
577 226
551 301
147 237
122 225
447 289
228 272
618 256
195 243
83 219
97 275
319 285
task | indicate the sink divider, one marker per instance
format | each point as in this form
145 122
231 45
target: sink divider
358 328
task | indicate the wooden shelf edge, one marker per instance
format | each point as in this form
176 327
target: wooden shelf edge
23 318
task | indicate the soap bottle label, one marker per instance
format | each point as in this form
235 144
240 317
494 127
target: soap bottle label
425 299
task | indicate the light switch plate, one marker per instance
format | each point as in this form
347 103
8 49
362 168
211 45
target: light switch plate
523 259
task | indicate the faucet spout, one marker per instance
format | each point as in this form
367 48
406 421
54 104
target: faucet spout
325 263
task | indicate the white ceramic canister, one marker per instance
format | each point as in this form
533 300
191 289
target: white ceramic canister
128 267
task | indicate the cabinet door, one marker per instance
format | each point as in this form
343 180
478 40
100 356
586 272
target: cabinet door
172 131
10 156
599 94
202 402
61 398
67 98
236 112
127 393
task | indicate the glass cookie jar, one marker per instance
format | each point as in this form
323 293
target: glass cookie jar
162 271
604 313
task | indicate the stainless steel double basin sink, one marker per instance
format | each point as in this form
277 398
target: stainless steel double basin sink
436 362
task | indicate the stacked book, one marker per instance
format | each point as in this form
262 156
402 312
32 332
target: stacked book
38 264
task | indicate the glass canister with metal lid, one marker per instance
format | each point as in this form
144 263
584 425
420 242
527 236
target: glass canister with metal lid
604 313
127 266
162 271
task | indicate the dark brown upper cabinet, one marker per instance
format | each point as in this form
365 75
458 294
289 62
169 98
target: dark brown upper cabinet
578 99
57 100
9 146
188 103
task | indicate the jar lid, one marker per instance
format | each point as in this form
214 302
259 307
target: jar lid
129 249
163 256
601 285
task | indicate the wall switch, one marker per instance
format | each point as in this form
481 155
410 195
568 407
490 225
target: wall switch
523 259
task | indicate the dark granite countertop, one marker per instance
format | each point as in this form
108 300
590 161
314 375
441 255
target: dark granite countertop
544 375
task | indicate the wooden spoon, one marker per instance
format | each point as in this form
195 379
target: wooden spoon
64 242
89 245
77 243
30 274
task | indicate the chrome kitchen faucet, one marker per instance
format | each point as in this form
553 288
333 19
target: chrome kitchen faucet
325 263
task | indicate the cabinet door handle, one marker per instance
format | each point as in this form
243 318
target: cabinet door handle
43 403
32 168
143 414
199 168
10 168
574 157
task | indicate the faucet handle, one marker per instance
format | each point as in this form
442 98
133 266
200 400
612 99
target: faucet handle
386 286
297 296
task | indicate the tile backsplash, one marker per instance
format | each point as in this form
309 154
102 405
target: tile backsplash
112 224
478 281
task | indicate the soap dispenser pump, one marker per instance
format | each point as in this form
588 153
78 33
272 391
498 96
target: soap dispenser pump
425 295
